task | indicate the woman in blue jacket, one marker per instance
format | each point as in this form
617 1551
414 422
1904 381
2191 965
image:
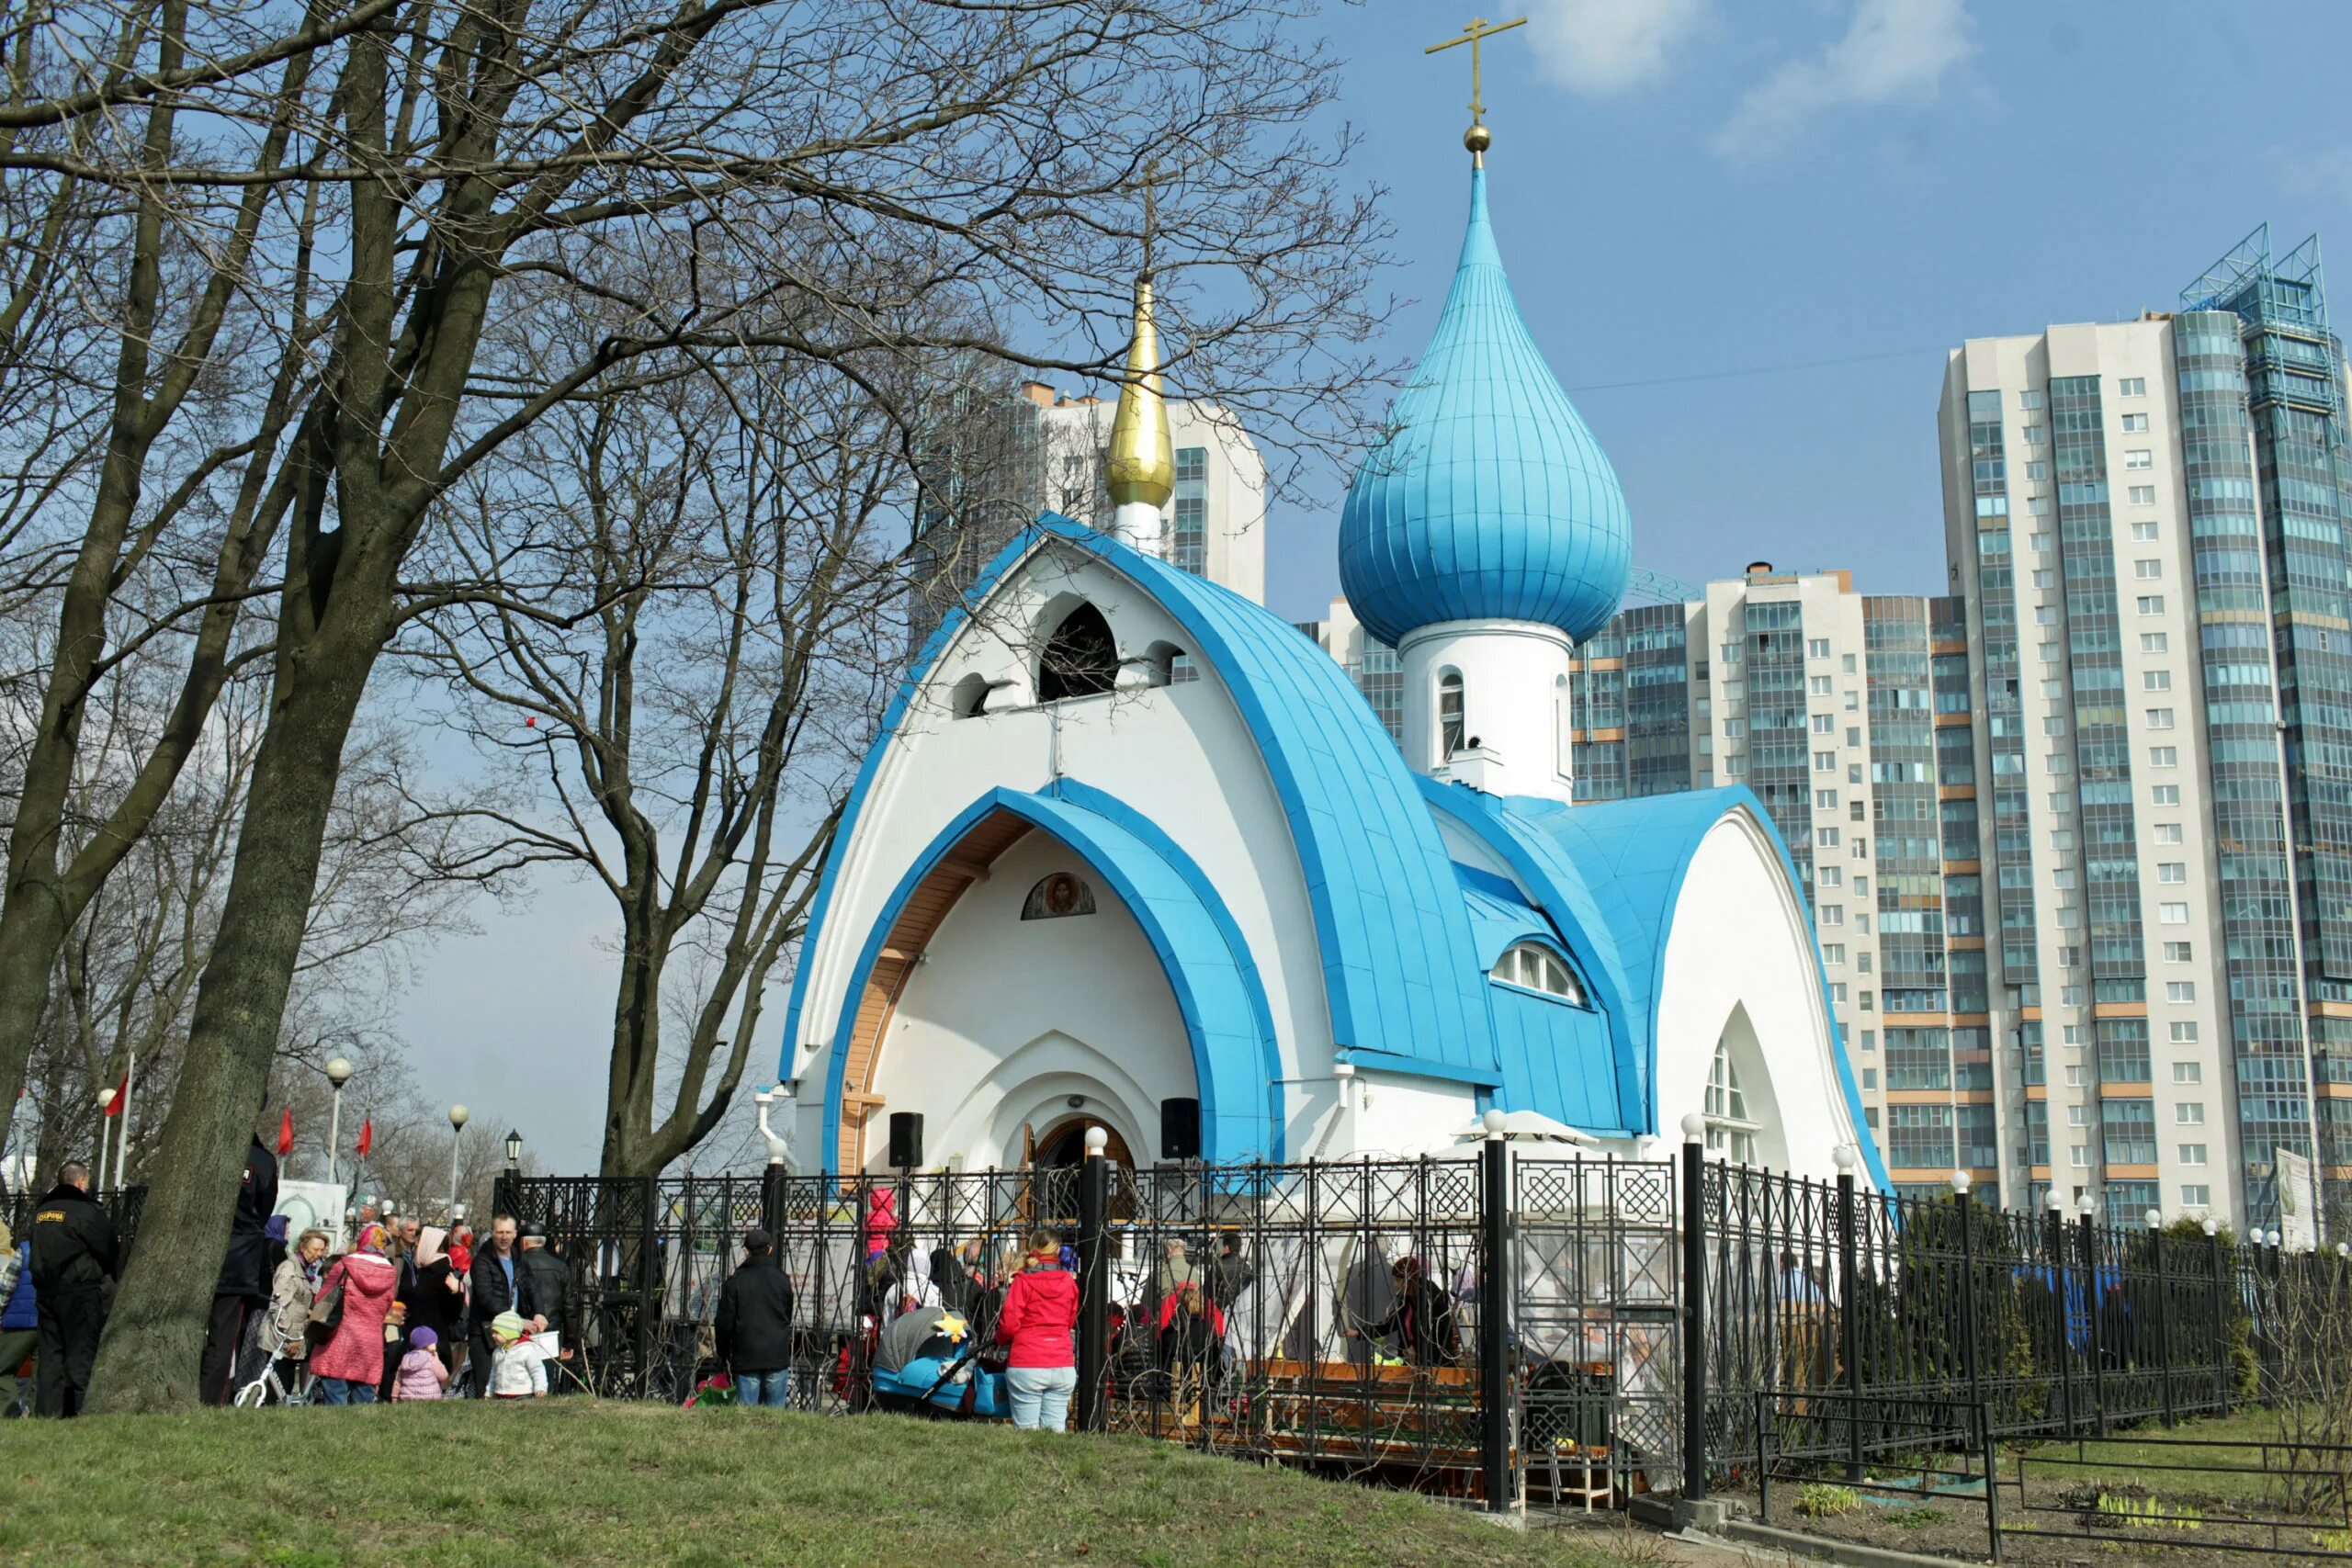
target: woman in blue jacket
19 1327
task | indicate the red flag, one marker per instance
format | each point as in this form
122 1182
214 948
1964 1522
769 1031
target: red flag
114 1106
286 1132
367 1134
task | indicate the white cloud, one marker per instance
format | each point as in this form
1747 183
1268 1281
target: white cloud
1610 46
1895 51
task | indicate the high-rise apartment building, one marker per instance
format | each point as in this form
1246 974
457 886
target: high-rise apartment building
2146 521
990 473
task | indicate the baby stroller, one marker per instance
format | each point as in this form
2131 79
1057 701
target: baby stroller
267 1387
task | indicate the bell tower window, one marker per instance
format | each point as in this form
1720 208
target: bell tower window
1082 658
1449 714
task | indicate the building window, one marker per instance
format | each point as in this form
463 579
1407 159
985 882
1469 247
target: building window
2178 953
2188 1115
2040 543
2155 680
2135 424
2152 604
2188 1072
1824 800
1535 967
1816 686
2139 457
2026 399
1824 761
1817 648
2172 871
1082 658
2180 990
1824 723
1849 665
1449 714
2033 434
2172 914
2159 718
1835 953
2144 532
2132 387
2196 1195
2192 1154
1057 897
2184 1032
2147 568
2163 756
2156 642
2142 496
2164 794
1833 914
1831 875
1731 1133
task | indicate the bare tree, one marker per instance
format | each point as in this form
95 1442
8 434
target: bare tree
836 182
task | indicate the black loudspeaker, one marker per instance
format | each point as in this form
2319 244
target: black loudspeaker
906 1139
1180 1129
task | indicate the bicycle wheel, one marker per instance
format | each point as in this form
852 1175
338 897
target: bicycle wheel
250 1397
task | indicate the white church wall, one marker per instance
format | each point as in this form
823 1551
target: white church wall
1515 705
1729 968
1402 1116
1180 755
1006 1019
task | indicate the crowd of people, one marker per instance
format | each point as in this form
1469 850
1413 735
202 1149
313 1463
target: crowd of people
407 1312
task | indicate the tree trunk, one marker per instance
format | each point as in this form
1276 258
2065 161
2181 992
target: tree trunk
147 1360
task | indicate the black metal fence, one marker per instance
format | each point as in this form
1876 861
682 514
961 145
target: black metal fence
1353 1322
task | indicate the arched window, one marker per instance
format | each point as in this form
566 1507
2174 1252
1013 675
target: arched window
1062 894
1449 714
1082 658
1731 1132
1533 965
969 698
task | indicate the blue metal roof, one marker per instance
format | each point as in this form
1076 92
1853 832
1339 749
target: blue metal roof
1401 975
1610 874
1208 968
1491 498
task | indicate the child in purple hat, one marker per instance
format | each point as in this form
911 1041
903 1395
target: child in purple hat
421 1375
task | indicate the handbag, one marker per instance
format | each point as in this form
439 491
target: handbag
326 1308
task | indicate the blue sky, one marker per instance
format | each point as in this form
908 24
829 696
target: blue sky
1701 202
1687 188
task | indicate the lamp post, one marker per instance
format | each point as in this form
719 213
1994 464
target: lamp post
338 1073
515 1151
458 1117
106 1101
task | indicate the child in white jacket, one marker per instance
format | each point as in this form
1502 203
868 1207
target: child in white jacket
518 1366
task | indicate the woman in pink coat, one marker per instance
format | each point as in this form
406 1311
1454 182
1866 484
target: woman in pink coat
351 1361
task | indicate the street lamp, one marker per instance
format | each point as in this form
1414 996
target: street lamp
514 1151
106 1101
338 1073
457 1116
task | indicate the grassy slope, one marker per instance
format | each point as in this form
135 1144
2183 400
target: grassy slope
2125 1457
575 1482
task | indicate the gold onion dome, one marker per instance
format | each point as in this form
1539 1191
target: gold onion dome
1142 462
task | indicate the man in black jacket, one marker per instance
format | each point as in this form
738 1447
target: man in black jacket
244 1277
76 1255
755 1324
543 1294
492 1282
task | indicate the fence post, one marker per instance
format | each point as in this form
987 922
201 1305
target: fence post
2056 1250
1093 1279
2164 1316
1970 1367
1850 1313
2093 1301
2221 1336
649 1274
771 1199
1694 1309
1496 1282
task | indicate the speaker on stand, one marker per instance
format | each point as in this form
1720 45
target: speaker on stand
906 1139
1180 1129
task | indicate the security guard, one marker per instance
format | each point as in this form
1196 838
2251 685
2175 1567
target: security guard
75 1253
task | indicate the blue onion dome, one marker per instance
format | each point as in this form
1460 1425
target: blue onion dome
1490 498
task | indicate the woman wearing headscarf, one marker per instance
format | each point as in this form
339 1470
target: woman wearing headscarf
435 1297
350 1363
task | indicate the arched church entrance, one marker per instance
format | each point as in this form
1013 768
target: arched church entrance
1042 952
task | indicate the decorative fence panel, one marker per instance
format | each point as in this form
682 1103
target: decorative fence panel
1350 1318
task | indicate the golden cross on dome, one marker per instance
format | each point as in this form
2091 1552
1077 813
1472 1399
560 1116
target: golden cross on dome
1477 138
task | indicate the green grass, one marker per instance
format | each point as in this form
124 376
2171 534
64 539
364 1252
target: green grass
574 1482
2133 1457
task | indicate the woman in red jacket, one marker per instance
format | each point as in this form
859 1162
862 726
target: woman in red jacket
352 1360
1039 1317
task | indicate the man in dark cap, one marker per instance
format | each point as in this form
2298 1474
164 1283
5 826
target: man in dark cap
76 1257
755 1324
543 1293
